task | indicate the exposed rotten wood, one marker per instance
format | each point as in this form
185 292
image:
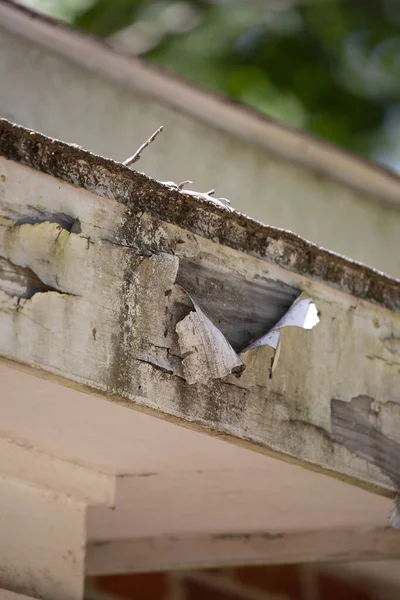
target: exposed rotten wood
113 246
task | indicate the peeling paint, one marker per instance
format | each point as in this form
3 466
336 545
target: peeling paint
206 353
242 309
353 426
144 195
20 282
38 248
303 313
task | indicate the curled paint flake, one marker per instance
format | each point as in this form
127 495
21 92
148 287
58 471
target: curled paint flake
302 313
207 354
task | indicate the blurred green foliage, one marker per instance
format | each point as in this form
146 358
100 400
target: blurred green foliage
331 67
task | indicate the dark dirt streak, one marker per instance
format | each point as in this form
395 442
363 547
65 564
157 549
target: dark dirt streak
118 374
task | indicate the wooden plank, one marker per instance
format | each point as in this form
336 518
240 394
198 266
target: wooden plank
111 249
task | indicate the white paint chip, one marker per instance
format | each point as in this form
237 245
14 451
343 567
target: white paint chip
303 313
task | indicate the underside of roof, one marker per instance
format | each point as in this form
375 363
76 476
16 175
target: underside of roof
141 329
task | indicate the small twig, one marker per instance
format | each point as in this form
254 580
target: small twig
182 184
135 157
206 195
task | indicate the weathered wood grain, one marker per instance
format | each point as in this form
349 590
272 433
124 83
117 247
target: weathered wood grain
109 251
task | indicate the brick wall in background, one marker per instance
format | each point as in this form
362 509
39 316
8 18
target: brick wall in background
286 582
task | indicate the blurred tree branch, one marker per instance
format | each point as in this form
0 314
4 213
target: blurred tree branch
329 66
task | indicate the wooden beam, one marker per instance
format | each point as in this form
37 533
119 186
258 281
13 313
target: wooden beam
100 268
109 251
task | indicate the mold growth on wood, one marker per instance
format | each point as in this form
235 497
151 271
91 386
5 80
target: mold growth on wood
143 195
142 317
